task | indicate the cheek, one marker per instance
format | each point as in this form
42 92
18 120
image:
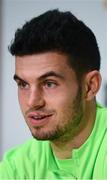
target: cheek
66 102
65 98
63 104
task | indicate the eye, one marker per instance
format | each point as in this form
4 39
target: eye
50 84
23 85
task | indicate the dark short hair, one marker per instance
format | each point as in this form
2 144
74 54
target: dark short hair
61 32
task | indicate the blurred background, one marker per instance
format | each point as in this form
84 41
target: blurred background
13 14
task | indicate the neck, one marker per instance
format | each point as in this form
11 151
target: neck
63 149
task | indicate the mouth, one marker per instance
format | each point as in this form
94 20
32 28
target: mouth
40 117
36 119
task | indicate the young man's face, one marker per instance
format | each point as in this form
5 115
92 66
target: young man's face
49 95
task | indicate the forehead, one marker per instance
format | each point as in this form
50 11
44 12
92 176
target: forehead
39 64
46 58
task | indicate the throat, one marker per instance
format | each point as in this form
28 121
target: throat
62 151
63 148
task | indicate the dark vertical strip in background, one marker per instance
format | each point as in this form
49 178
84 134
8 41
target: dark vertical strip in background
0 78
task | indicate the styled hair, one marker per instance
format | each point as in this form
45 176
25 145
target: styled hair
60 32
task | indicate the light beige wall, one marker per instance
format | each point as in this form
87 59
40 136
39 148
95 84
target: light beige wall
0 76
15 13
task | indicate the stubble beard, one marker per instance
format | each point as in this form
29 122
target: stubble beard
69 129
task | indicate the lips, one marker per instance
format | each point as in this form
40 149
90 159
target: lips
38 119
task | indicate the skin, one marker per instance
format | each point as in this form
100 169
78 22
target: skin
47 85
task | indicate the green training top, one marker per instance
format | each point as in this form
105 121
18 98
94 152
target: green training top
35 159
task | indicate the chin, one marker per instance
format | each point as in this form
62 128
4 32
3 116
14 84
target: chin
45 136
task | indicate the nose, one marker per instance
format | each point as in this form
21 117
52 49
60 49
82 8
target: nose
36 99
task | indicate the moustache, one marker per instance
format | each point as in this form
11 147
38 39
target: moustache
44 111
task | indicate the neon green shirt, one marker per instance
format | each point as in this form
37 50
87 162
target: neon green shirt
35 159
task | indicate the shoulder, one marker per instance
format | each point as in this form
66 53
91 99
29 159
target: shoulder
101 160
101 121
29 148
20 159
101 112
100 169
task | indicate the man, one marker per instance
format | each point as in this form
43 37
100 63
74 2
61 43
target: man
57 63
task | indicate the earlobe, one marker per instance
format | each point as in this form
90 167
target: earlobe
92 84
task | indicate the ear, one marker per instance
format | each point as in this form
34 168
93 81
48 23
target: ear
92 84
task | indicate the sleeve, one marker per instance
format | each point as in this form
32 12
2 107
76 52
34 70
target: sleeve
100 169
6 170
8 166
17 163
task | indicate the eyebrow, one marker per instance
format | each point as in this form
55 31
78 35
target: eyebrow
17 78
51 73
44 76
